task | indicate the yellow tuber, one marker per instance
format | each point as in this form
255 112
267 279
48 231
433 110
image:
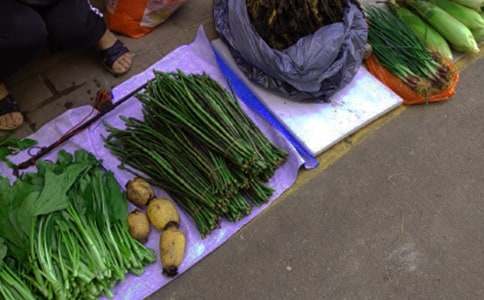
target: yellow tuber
162 213
139 226
139 192
172 249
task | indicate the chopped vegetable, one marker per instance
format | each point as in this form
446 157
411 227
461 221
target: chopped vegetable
459 36
427 35
197 144
467 16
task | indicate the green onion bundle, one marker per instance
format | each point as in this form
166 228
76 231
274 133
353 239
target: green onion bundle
281 23
66 229
400 51
197 144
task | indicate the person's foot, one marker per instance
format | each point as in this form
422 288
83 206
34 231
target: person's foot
117 58
10 117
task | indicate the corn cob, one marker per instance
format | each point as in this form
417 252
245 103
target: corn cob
467 16
474 4
458 35
427 35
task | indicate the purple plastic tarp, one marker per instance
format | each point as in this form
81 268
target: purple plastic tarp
197 57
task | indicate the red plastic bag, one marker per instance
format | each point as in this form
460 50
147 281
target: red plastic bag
410 96
136 18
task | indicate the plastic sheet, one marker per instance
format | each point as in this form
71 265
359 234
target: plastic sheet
195 58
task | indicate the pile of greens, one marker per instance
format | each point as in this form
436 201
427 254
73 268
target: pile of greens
63 232
198 145
281 23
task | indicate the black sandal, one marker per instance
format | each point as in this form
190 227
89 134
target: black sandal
8 105
111 55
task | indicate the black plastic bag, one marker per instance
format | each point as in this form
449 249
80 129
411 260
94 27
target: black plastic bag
313 69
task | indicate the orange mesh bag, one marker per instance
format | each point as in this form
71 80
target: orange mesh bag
136 18
409 96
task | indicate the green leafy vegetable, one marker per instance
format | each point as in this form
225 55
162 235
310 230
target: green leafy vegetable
65 227
10 145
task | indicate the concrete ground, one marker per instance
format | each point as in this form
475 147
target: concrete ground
400 216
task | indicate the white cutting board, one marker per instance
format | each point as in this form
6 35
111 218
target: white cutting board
320 126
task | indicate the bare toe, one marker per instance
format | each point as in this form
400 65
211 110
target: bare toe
123 63
11 121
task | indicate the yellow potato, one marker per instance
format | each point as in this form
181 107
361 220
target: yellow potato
172 249
139 192
162 212
139 226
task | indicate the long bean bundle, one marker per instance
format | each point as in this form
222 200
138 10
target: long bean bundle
197 144
400 51
282 22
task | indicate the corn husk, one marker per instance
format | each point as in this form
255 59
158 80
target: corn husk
474 4
457 34
426 34
467 16
479 35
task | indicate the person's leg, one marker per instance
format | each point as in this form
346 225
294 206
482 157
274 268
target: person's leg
75 24
22 36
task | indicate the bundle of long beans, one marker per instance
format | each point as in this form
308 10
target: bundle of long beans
197 144
400 51
281 23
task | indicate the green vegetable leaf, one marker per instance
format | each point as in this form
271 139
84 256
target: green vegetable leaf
10 145
64 158
117 203
4 152
54 194
3 249
10 227
25 144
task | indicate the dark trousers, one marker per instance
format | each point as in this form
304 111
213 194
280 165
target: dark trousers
26 30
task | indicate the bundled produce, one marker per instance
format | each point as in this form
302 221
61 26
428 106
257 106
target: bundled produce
282 23
399 50
66 230
197 144
306 50
456 33
426 34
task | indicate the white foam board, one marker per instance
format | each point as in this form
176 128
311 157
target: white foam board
321 125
